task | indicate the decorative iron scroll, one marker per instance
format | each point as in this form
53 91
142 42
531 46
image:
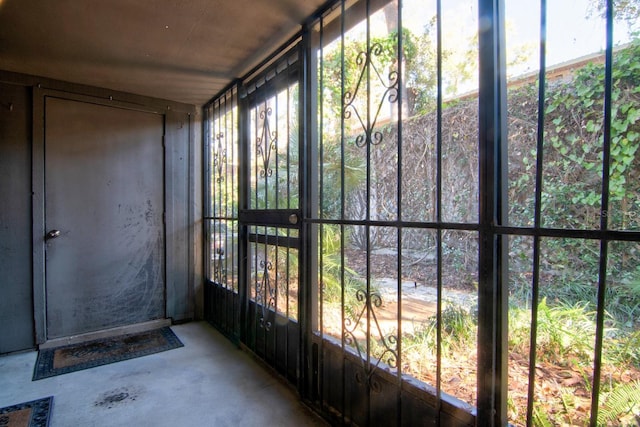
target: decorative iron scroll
364 59
266 142
265 293
389 343
219 158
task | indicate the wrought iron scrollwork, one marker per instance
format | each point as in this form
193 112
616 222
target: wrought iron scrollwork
266 142
219 157
389 342
265 294
367 70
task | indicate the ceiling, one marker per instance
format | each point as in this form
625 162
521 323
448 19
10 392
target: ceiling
180 50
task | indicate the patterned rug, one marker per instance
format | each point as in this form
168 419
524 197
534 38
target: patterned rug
75 357
28 414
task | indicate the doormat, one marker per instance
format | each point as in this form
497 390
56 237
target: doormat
28 414
76 357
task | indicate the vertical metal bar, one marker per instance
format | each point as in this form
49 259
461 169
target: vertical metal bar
266 279
399 217
342 208
254 277
367 214
214 186
215 197
600 314
306 282
206 183
225 182
229 306
288 235
206 132
214 156
320 127
232 265
288 143
276 190
266 205
606 165
368 208
244 197
492 295
234 185
535 285
308 156
276 125
438 208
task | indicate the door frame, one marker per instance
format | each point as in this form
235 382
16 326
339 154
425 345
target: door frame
286 70
39 197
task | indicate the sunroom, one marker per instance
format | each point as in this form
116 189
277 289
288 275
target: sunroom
413 212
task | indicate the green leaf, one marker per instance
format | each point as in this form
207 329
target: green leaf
624 399
620 126
615 150
591 127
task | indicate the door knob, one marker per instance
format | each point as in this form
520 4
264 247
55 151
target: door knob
53 234
293 219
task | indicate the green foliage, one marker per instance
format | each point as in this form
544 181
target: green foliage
623 403
623 348
280 188
623 10
571 195
339 168
565 330
458 323
342 68
459 329
334 270
574 129
540 418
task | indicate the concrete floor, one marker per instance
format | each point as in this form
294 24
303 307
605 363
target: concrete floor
208 382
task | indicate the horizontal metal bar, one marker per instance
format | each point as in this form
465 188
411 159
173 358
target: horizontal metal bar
270 239
628 236
287 218
402 224
592 234
220 218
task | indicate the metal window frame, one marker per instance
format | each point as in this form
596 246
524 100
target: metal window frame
439 226
494 247
492 227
